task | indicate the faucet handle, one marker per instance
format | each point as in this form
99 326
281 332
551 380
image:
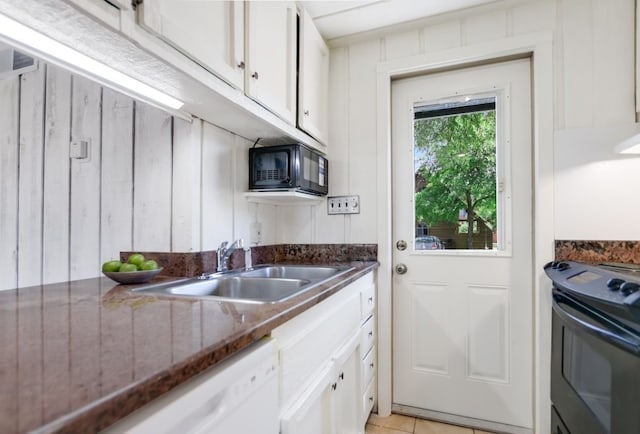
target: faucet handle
223 245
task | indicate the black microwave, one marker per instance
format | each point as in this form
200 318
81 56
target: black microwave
292 167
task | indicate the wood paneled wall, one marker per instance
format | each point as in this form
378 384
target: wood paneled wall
150 182
593 88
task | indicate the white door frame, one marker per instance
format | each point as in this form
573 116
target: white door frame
539 47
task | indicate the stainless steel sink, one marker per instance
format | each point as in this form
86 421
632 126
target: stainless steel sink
244 288
309 272
264 284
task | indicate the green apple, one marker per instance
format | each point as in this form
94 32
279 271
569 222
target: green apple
111 266
127 268
149 265
136 259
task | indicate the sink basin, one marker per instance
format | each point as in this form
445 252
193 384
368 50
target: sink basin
242 288
264 284
307 272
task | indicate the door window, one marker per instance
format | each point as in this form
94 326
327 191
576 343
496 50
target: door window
455 182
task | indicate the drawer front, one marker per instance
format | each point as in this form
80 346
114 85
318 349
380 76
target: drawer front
367 300
368 335
369 366
368 400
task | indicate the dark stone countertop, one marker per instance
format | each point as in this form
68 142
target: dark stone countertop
595 252
78 356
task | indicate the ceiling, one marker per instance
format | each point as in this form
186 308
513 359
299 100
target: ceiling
336 18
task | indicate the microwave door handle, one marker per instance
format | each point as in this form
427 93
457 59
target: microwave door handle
626 344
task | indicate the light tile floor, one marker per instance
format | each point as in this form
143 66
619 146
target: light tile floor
398 424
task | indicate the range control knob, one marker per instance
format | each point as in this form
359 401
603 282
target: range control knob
629 288
554 264
563 266
614 284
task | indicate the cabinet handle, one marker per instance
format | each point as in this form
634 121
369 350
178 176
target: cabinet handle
370 299
241 64
371 365
341 376
255 75
370 334
306 112
334 385
371 399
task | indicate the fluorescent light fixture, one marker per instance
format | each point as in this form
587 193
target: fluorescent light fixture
44 47
629 146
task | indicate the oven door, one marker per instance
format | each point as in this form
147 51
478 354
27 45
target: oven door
595 370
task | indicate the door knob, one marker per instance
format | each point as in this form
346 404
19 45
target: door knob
401 268
401 245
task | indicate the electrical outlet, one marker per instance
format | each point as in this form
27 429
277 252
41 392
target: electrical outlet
255 236
343 205
79 149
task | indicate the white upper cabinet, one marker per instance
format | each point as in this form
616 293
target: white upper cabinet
251 45
210 32
237 64
313 81
271 56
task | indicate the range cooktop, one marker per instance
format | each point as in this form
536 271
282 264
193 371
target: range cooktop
610 287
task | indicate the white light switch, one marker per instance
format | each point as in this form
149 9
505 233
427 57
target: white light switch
343 205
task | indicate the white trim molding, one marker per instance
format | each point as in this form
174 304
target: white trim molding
537 46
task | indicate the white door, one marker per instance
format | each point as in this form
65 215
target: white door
462 338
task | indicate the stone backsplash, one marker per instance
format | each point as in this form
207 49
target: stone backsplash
595 252
191 264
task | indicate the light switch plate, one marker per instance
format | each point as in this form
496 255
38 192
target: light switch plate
343 205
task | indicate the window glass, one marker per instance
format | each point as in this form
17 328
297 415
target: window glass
455 155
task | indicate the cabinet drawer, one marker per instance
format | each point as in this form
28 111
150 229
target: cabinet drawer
368 335
369 366
367 299
368 400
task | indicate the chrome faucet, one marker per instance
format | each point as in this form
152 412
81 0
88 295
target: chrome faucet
224 253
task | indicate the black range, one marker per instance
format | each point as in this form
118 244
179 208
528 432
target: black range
595 348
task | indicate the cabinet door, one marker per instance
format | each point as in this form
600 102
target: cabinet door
313 412
313 84
271 56
348 391
209 32
107 12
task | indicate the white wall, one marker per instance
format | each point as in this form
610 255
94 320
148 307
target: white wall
151 181
594 91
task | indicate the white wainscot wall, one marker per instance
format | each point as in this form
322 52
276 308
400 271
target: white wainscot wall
593 88
150 182
594 187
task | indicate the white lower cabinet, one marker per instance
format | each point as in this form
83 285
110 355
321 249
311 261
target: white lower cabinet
310 414
347 411
368 354
321 365
217 401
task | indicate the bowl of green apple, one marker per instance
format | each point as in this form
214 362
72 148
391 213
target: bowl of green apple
137 269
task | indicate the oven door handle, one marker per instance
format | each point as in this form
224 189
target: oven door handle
618 337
